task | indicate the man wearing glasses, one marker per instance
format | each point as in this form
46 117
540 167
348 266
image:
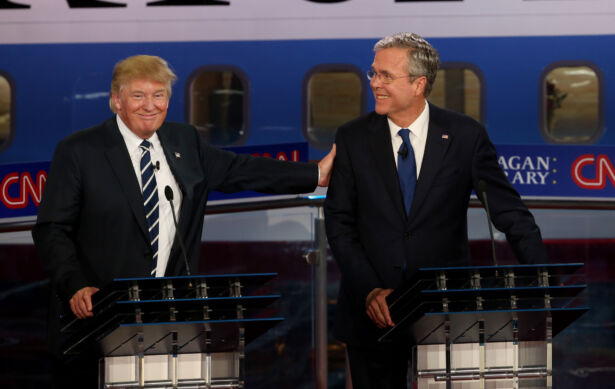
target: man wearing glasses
398 201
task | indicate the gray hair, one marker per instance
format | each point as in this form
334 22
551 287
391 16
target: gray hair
423 58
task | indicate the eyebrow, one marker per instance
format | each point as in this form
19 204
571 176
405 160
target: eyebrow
143 92
383 71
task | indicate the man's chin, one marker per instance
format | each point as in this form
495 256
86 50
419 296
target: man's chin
146 131
380 110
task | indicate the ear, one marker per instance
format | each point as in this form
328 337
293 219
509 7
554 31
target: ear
116 101
420 86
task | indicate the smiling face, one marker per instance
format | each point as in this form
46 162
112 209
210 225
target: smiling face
401 100
142 105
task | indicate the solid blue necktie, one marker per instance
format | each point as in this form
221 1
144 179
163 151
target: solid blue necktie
150 200
406 168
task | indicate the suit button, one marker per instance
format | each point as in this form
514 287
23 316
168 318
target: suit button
407 235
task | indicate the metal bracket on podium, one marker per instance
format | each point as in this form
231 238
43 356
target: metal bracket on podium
174 332
485 322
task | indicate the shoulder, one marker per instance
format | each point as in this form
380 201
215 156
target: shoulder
183 138
361 125
175 131
176 126
446 118
462 126
92 137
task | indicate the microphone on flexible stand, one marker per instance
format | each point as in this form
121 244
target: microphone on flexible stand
482 189
168 193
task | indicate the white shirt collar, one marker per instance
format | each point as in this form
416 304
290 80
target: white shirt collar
132 140
418 137
418 128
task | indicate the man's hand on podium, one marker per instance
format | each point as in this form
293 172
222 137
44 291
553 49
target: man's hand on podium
81 302
377 308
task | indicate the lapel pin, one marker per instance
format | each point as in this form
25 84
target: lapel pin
177 155
445 136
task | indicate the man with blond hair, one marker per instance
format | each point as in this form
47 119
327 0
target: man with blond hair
102 215
398 201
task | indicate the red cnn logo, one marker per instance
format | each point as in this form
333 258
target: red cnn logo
281 156
602 168
27 189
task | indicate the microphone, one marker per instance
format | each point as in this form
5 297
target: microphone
168 193
403 151
157 167
482 189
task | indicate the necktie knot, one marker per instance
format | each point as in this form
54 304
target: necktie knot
405 135
403 149
145 146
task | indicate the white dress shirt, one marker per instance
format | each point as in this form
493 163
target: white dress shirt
418 137
164 177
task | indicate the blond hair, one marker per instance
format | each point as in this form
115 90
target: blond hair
140 67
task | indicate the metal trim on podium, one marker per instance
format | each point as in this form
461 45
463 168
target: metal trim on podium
482 323
174 332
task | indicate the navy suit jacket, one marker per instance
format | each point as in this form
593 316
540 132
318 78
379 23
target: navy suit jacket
91 225
376 245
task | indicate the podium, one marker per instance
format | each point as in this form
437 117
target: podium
485 323
173 332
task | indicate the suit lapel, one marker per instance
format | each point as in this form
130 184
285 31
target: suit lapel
173 156
381 150
120 162
438 141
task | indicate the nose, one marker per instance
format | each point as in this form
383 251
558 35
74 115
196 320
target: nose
148 103
375 82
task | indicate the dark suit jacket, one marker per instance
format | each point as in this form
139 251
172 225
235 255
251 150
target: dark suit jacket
91 225
368 231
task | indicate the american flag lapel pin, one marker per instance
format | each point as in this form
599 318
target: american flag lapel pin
177 155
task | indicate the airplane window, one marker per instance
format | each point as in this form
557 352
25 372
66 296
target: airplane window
333 95
571 104
5 111
460 88
218 105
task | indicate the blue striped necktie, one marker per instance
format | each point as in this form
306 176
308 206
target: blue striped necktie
150 199
406 168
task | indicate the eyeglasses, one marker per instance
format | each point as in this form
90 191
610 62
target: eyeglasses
385 78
